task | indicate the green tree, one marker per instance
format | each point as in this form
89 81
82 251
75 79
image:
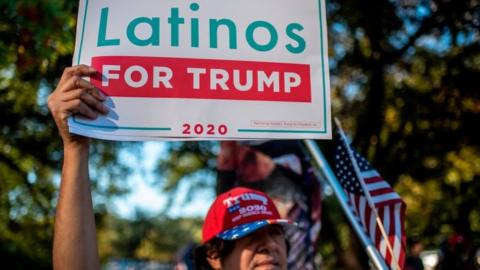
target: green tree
404 81
410 70
146 237
36 44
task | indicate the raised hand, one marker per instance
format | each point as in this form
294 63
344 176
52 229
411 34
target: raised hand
75 95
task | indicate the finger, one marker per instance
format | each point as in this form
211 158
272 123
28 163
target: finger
78 70
79 107
97 93
71 95
87 98
77 93
75 82
93 102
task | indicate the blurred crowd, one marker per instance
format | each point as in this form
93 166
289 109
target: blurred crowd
455 252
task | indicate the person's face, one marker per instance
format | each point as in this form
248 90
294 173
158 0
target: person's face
416 249
264 249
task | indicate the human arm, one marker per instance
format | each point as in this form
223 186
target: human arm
240 162
226 165
75 243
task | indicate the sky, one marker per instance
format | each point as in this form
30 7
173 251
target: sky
148 197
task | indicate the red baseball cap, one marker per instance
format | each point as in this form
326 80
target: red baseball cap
239 212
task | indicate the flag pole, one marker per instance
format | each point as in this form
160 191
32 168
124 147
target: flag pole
367 194
325 168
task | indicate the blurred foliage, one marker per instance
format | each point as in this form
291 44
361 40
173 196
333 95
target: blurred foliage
145 237
36 44
410 71
188 161
404 76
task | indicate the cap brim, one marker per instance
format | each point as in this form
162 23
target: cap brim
243 230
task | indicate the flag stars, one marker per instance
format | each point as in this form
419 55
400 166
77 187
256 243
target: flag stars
353 187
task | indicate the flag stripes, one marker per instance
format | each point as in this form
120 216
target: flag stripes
388 204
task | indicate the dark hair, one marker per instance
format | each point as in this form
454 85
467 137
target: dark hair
215 247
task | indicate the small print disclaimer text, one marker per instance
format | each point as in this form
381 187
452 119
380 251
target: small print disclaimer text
285 124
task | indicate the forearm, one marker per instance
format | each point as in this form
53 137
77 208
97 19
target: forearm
75 243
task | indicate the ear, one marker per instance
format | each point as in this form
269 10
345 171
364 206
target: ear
214 262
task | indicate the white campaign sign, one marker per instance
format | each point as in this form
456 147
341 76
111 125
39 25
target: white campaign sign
206 69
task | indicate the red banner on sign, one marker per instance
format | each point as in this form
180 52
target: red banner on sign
160 77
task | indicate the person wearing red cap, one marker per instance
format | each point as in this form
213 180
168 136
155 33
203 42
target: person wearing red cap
242 230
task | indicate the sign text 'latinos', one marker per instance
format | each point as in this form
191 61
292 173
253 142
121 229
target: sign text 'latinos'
178 20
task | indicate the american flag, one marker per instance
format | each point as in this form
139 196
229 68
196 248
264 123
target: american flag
389 205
